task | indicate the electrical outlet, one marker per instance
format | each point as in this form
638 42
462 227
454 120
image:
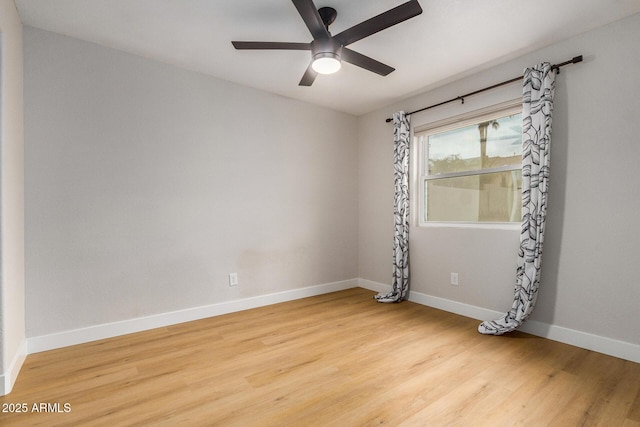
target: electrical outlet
233 279
454 279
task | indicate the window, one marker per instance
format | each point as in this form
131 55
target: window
471 170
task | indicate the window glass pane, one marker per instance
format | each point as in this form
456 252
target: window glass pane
491 197
490 144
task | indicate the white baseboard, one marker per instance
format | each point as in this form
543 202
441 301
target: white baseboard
600 344
8 379
456 307
109 330
374 286
621 349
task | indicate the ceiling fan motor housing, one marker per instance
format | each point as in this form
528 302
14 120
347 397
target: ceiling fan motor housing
326 48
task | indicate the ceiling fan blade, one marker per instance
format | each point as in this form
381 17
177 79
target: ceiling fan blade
308 77
271 45
380 22
311 17
365 62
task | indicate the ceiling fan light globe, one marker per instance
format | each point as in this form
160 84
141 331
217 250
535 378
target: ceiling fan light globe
326 63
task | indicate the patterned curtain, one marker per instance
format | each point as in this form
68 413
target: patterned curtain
400 284
537 106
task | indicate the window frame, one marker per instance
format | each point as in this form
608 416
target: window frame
495 111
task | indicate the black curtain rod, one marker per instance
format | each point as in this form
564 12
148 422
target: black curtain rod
461 98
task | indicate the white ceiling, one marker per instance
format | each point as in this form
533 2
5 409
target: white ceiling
450 38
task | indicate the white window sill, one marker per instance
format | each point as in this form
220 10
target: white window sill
476 225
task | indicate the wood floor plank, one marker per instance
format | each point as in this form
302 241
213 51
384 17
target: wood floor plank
634 410
335 359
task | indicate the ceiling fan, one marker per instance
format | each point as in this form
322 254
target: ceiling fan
328 51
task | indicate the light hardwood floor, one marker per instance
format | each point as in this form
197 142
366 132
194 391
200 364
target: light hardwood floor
339 359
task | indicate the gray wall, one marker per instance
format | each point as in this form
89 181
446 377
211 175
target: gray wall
146 185
589 282
12 304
